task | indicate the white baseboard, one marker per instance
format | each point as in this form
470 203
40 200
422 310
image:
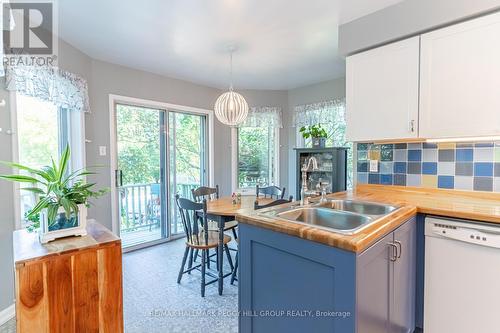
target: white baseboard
7 314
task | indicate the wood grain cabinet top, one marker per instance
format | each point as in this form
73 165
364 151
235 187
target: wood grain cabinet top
69 285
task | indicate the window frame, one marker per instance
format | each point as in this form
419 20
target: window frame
234 163
75 133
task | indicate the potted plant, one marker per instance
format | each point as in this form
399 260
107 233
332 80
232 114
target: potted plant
62 197
317 134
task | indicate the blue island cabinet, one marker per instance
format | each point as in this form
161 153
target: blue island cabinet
289 284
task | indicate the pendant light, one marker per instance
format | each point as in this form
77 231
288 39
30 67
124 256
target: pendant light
231 108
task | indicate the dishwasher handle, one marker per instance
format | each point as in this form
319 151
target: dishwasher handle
467 235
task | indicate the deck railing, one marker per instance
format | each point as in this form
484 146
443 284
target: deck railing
140 205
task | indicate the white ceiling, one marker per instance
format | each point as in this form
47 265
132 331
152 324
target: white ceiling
282 44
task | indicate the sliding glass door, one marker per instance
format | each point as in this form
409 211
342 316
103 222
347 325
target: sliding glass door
140 175
160 154
187 162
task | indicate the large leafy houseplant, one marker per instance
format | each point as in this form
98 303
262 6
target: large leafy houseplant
55 187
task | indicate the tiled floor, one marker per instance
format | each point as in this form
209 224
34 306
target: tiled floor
154 302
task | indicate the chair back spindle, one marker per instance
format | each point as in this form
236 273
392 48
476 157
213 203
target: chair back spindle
203 192
190 217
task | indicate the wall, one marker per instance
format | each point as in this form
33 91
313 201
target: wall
462 166
306 95
407 18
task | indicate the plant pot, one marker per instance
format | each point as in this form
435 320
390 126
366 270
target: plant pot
63 226
318 142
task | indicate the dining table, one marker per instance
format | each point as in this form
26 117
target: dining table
223 210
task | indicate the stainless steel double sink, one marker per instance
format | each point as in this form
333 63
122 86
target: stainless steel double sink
342 216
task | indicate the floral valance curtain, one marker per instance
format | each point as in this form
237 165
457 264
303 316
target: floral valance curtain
325 113
51 84
263 116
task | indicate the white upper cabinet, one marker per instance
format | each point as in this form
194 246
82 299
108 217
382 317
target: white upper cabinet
382 92
460 80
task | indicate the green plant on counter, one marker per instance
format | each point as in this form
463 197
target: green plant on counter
313 131
55 187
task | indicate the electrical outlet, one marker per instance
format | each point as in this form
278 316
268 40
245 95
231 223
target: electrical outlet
373 166
102 150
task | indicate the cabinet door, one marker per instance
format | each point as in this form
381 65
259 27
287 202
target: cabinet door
374 285
382 92
460 80
403 299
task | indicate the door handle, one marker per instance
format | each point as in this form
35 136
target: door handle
118 178
400 248
394 248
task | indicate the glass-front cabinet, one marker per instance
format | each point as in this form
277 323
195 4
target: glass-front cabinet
330 174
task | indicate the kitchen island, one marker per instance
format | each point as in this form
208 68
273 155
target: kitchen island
296 277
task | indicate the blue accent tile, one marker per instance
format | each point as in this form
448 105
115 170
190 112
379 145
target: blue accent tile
483 169
446 155
415 155
362 146
465 155
399 180
464 169
386 154
464 145
417 145
429 168
400 146
446 182
414 168
362 178
373 178
483 184
386 167
497 169
362 155
386 179
399 167
428 145
484 144
363 166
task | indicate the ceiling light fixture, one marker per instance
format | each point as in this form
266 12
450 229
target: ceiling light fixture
231 108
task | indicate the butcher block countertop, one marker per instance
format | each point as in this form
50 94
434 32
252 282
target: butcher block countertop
481 206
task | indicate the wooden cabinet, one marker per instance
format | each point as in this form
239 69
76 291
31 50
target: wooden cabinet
69 285
382 92
460 80
386 283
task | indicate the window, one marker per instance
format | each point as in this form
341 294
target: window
331 116
255 152
43 130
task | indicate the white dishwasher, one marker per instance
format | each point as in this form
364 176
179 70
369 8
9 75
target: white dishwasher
462 276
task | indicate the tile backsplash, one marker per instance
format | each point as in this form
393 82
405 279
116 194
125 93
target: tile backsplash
461 166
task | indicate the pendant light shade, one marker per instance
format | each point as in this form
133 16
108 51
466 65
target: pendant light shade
231 108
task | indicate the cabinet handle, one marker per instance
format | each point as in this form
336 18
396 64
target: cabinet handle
394 248
412 126
400 248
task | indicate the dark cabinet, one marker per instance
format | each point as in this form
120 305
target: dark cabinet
332 168
386 283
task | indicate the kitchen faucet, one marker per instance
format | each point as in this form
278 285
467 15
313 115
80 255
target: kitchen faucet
305 168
